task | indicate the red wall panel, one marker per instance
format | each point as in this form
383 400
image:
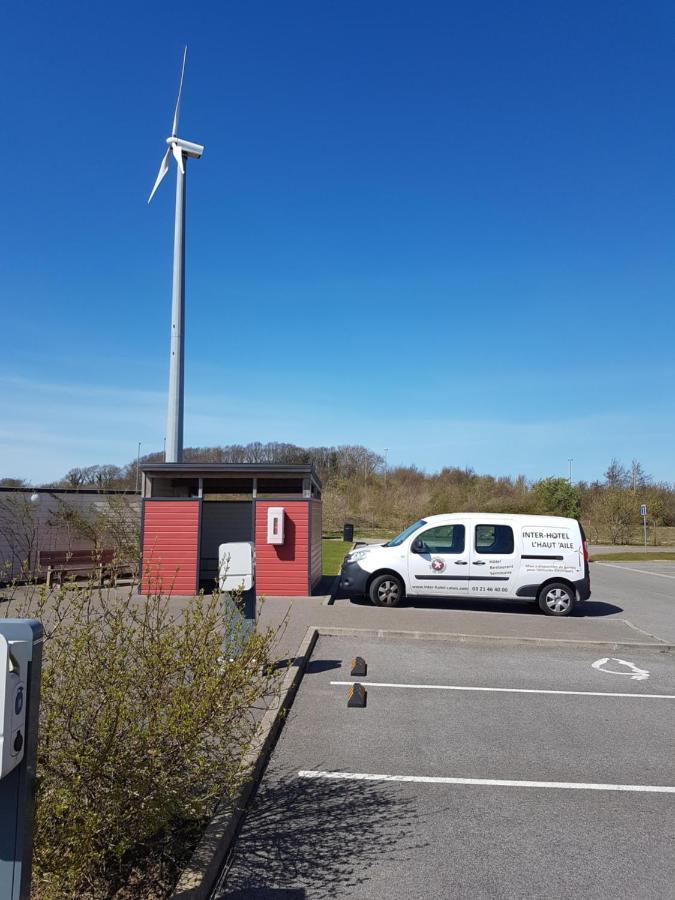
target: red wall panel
170 546
316 545
283 570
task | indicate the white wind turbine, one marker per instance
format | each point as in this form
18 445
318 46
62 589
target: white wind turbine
180 150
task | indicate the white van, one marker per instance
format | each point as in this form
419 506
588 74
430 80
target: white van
481 555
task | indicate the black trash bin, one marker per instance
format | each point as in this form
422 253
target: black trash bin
348 532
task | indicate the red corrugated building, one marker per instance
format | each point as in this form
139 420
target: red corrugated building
190 509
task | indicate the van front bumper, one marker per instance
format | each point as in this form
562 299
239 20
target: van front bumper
353 579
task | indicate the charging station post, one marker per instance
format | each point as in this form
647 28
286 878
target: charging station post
20 670
236 568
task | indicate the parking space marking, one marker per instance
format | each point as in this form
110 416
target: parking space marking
490 782
503 690
631 569
635 673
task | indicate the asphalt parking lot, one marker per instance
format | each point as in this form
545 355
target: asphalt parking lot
642 592
476 770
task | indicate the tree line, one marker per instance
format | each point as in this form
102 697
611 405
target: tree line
609 507
360 488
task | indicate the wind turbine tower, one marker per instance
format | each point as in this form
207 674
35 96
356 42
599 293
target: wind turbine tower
180 150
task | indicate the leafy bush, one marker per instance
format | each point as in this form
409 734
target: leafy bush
145 715
557 497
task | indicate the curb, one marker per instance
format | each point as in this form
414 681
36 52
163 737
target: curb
200 875
338 631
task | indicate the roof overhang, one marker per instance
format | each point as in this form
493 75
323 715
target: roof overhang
245 470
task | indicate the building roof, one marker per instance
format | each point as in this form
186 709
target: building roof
66 490
251 470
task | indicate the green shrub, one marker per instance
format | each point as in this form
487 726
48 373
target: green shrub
144 719
556 497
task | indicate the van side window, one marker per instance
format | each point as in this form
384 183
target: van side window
443 539
494 539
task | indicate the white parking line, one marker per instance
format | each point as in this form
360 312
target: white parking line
502 690
490 782
631 569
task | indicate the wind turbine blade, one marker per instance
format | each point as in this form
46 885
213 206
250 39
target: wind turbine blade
163 169
174 130
178 156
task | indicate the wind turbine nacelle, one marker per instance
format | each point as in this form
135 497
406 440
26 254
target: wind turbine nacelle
189 149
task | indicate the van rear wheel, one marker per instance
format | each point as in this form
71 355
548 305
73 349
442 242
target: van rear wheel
386 590
557 599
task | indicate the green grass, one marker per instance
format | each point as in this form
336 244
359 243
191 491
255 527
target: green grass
361 533
665 535
379 533
633 557
333 553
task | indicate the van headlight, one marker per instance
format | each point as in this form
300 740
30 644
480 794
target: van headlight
356 556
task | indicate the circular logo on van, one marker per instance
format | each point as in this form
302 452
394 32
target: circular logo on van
437 565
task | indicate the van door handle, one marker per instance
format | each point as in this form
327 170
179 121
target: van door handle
479 563
461 562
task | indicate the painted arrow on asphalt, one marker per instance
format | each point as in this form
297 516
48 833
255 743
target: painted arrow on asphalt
635 673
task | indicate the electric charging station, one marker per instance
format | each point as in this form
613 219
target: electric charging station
236 568
20 668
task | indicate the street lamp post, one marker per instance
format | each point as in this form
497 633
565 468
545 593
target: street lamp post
570 460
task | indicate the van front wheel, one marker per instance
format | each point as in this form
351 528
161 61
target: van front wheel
386 590
557 599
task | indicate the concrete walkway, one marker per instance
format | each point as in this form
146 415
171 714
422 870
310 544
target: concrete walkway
626 607
630 603
293 615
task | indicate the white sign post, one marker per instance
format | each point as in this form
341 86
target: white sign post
643 513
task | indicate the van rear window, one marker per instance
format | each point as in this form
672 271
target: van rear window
495 539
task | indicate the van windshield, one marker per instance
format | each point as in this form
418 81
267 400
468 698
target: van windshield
394 542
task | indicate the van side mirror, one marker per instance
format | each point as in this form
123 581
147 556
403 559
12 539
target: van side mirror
417 546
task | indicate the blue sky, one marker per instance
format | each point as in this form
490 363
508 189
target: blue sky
446 229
